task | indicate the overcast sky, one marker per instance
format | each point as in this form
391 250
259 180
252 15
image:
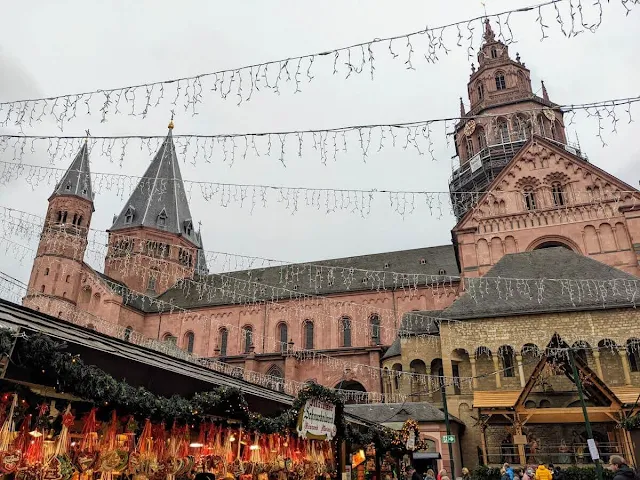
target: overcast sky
52 48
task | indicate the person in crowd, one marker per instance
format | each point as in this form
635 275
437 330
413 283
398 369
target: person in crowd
430 475
529 474
412 474
543 473
509 470
517 473
466 475
442 473
621 471
558 473
503 474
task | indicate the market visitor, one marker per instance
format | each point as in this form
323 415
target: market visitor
621 470
430 475
543 473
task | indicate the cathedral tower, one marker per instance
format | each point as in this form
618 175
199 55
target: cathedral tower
153 242
54 284
500 89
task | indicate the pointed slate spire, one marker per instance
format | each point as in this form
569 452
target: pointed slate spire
160 201
77 179
462 112
545 94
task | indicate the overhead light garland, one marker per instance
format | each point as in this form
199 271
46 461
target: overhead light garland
327 144
242 83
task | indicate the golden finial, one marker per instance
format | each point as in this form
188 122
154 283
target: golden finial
171 122
86 138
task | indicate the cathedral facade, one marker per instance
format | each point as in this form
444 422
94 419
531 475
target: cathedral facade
532 205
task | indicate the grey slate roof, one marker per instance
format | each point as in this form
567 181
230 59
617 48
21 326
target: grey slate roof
160 194
413 324
398 412
77 179
201 259
594 286
290 281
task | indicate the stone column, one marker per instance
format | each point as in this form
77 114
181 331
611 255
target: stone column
521 370
429 387
596 359
474 375
625 366
496 368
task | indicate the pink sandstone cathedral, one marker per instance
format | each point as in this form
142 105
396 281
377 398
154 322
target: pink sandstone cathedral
525 188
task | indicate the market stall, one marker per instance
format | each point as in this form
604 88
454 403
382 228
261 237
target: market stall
72 420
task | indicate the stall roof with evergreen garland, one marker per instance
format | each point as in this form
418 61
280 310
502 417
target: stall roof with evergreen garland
137 366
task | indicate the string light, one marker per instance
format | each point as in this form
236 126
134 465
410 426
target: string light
328 144
242 83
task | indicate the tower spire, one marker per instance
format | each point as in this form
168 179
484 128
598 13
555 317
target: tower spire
488 36
76 180
545 94
462 112
160 200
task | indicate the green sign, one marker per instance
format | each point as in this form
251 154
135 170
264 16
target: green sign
448 439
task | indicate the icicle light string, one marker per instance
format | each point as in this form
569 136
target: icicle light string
229 292
242 83
327 144
330 200
322 279
12 288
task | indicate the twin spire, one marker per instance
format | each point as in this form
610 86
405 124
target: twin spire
159 201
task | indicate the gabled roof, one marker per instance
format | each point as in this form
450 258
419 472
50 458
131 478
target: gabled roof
399 412
413 323
482 299
77 179
535 139
160 200
284 282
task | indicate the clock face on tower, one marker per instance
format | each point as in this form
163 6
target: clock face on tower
469 128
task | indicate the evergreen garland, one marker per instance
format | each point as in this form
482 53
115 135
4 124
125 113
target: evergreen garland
40 353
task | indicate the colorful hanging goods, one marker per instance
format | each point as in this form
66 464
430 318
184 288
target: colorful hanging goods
9 457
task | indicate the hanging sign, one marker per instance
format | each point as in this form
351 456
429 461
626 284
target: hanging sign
593 449
411 441
317 420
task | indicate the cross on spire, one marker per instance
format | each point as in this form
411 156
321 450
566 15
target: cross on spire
171 122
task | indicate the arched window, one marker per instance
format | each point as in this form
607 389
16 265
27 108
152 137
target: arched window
480 89
42 289
75 219
128 215
543 132
283 333
633 354
277 377
308 335
470 151
68 278
558 194
224 341
503 131
580 351
374 322
247 333
506 354
346 331
79 221
189 339
494 52
153 278
529 198
59 218
127 333
170 338
397 370
501 84
64 217
46 271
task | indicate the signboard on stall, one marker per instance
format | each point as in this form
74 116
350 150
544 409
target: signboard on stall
317 420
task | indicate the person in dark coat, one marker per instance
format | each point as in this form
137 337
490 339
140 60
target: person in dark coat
621 471
412 474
